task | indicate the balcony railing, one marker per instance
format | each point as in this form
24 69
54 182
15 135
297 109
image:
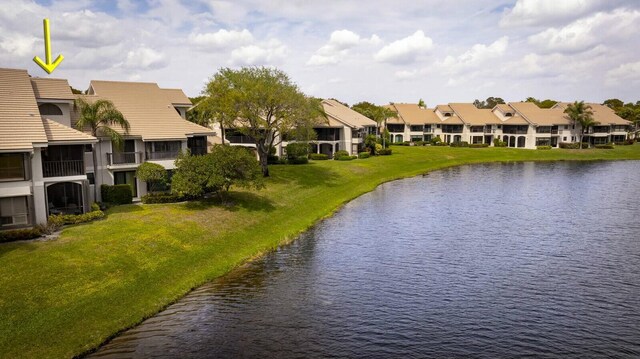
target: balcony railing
62 168
162 155
124 158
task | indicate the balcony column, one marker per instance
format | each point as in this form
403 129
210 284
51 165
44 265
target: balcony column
37 179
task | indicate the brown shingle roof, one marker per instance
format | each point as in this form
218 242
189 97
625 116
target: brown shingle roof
20 122
472 115
53 89
539 116
177 97
57 132
148 110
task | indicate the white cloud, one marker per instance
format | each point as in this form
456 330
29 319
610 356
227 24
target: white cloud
624 74
476 57
541 12
338 46
406 74
19 45
586 33
273 51
405 50
221 39
144 58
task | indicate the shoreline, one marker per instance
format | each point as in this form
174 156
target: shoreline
285 179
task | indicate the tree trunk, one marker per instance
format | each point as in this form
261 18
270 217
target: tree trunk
222 132
262 154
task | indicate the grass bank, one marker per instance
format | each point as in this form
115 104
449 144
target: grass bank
64 297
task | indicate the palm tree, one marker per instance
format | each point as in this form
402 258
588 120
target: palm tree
98 117
581 114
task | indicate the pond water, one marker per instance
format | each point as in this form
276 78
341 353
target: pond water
495 260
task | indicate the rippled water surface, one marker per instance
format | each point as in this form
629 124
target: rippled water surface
496 260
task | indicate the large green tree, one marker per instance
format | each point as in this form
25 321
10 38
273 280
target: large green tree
489 103
261 103
542 104
101 118
581 114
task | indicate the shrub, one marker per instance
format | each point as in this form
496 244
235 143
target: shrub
118 194
364 155
153 173
543 147
419 143
274 160
625 142
440 144
436 140
152 198
459 144
499 143
385 152
378 148
95 207
318 156
20 234
607 146
57 220
297 149
298 160
478 145
573 145
346 158
340 153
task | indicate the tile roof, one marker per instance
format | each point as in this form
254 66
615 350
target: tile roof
412 114
46 88
57 132
177 97
343 114
540 116
472 115
20 122
601 113
149 111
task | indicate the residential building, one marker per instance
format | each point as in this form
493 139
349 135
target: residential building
158 132
42 166
611 128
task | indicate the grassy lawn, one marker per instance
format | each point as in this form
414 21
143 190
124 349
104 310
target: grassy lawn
64 297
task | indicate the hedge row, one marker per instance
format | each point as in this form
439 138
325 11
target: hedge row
117 194
543 147
318 156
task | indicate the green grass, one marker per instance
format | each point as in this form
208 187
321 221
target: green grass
65 297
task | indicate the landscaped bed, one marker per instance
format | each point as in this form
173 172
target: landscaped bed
63 297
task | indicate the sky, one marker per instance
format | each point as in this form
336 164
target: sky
378 51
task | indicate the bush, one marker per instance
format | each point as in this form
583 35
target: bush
118 194
459 144
153 173
499 143
297 149
378 148
298 160
364 155
95 207
346 158
440 144
478 145
572 146
544 147
152 198
625 142
274 160
419 143
20 234
57 220
435 141
607 146
318 156
340 153
385 152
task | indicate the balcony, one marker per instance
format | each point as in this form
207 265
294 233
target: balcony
239 139
124 158
63 168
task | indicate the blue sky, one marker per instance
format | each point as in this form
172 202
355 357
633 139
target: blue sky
380 51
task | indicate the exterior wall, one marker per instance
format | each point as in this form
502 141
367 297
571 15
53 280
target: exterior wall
65 107
37 179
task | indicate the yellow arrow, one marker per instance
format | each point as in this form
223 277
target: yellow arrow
48 66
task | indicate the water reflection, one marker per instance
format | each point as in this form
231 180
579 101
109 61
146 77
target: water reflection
496 260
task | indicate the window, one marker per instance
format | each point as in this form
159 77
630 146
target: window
564 138
91 178
566 127
49 109
13 211
12 167
127 177
508 114
88 148
447 114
